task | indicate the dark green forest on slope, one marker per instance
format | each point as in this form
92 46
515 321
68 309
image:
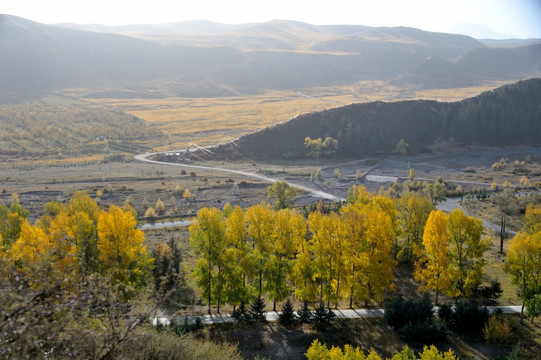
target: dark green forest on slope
509 115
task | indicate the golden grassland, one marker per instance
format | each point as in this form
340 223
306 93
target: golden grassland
458 93
207 121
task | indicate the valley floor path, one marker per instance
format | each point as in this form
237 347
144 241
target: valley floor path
317 193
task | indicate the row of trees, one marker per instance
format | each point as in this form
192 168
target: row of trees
318 351
337 256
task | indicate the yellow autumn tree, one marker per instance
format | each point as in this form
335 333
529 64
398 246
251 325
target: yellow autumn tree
376 261
36 247
237 264
260 221
207 236
303 272
32 245
187 194
11 220
358 195
523 263
466 250
532 218
432 267
83 214
413 211
354 230
388 206
281 255
122 253
328 244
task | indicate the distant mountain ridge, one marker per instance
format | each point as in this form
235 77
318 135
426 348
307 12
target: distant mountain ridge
203 59
509 115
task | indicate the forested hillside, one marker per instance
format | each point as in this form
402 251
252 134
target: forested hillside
52 126
510 115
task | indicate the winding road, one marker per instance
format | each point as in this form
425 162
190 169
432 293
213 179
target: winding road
317 193
448 205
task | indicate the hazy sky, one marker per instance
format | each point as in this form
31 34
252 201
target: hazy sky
519 17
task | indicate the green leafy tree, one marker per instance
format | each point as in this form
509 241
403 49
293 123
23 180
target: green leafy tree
237 265
260 221
317 147
401 148
283 193
413 211
436 191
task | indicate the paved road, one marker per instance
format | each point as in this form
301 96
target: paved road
340 314
165 224
317 193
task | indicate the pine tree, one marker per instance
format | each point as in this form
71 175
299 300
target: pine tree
287 317
304 314
241 313
257 310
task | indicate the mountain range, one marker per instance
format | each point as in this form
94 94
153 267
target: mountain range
204 59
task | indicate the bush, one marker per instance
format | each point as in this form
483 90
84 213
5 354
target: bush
414 320
166 345
426 332
186 327
496 331
445 313
469 316
400 312
515 354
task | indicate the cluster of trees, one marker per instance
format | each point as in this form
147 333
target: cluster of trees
318 147
318 351
416 323
69 282
77 237
523 262
349 254
451 260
